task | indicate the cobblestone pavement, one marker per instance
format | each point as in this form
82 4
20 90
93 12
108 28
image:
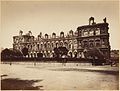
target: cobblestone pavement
69 77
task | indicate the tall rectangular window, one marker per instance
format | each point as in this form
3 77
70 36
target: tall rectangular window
97 31
85 33
91 33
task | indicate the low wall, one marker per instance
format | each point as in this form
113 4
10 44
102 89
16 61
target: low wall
58 60
55 64
83 60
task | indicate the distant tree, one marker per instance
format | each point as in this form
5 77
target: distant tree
60 51
17 53
6 53
25 51
39 55
10 53
56 52
95 54
63 50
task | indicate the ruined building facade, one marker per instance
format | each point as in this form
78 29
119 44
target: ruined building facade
93 35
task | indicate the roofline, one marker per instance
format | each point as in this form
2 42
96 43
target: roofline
23 36
94 25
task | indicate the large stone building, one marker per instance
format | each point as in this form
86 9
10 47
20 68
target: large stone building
94 36
85 37
45 44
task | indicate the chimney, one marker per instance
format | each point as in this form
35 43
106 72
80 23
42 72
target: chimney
91 20
104 20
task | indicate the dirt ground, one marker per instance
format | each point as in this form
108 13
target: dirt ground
47 77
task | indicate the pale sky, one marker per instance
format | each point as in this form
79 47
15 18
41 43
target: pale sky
56 16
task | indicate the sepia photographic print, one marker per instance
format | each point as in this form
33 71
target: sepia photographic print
59 45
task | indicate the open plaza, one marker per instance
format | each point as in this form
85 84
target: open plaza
58 76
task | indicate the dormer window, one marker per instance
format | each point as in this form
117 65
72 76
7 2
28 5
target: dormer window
61 43
62 34
85 33
97 42
53 35
39 37
46 36
29 33
85 43
20 33
97 31
91 20
71 33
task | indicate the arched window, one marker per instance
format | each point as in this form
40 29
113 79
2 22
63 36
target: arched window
56 44
31 46
85 43
52 44
49 45
61 34
38 46
70 46
53 35
75 54
97 31
41 46
61 43
85 33
45 45
46 36
28 46
91 44
97 42
39 37
65 43
91 33
70 53
71 33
